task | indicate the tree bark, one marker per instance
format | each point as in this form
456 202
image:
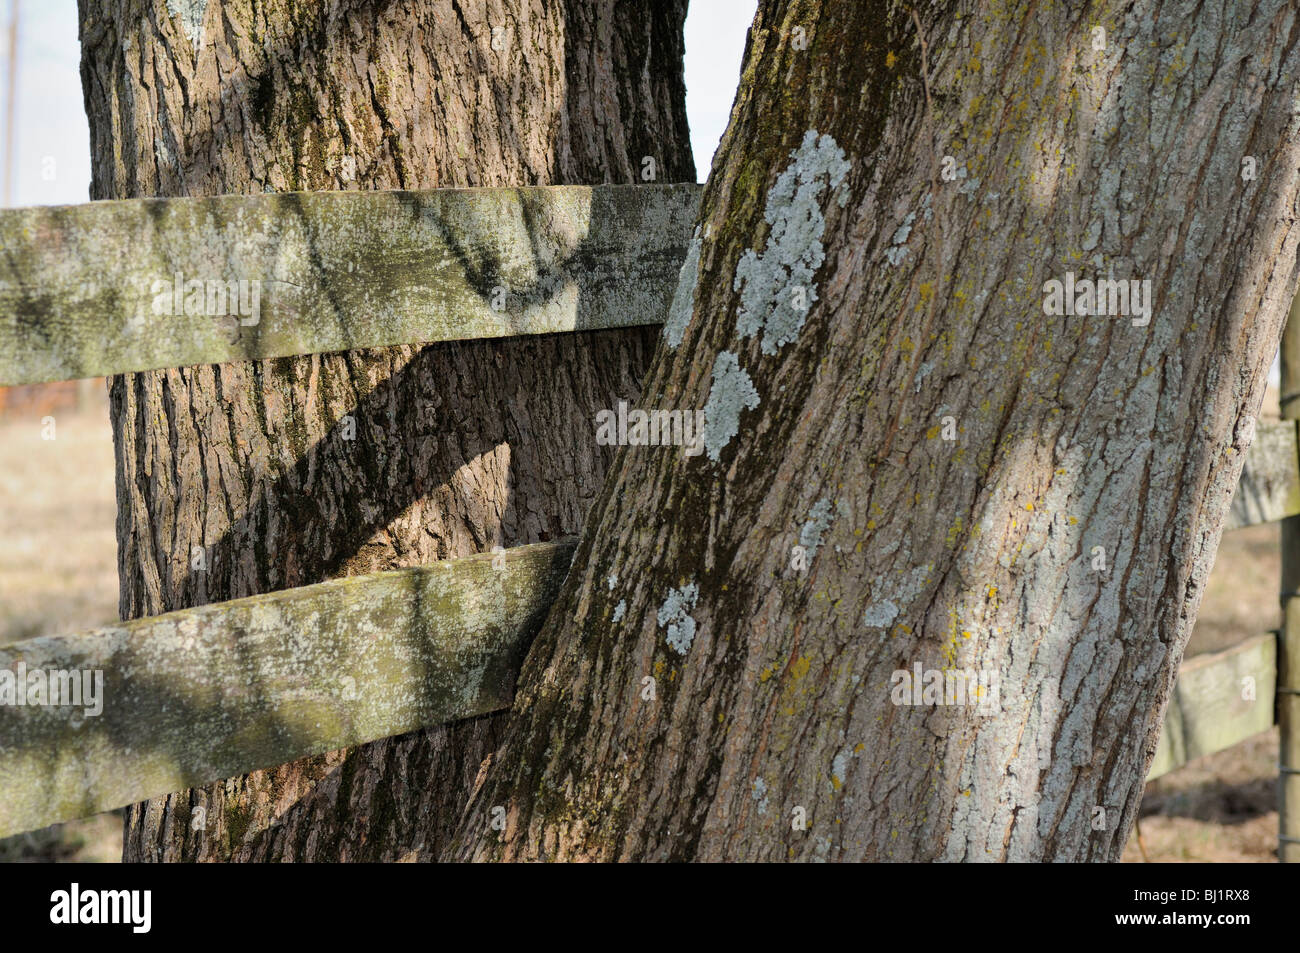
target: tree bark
975 483
239 479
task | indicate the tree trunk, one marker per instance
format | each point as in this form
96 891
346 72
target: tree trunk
974 482
241 479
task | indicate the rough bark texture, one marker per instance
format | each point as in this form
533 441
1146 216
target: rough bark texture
458 447
773 686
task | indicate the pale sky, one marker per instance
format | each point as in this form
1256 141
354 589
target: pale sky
52 147
51 120
715 43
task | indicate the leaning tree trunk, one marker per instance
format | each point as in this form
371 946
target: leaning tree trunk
972 482
240 479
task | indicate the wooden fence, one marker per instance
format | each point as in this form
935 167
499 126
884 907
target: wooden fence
219 690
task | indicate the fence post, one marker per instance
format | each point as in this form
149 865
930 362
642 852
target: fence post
1288 654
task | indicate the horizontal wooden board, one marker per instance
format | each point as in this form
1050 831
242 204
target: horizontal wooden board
1213 707
111 287
1269 488
223 689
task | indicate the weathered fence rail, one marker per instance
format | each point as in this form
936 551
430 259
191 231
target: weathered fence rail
1220 699
219 690
110 287
1269 488
223 689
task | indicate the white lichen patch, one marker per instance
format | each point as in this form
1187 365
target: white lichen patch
191 16
903 231
732 391
922 373
839 769
683 304
897 250
620 610
611 582
880 615
776 287
760 796
840 766
883 612
675 614
819 520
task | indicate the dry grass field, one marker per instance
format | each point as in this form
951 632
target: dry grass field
58 554
58 573
58 564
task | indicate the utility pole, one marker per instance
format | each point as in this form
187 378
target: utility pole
11 97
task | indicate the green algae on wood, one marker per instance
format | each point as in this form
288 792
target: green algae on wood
220 690
87 290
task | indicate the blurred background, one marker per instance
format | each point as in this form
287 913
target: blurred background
57 546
